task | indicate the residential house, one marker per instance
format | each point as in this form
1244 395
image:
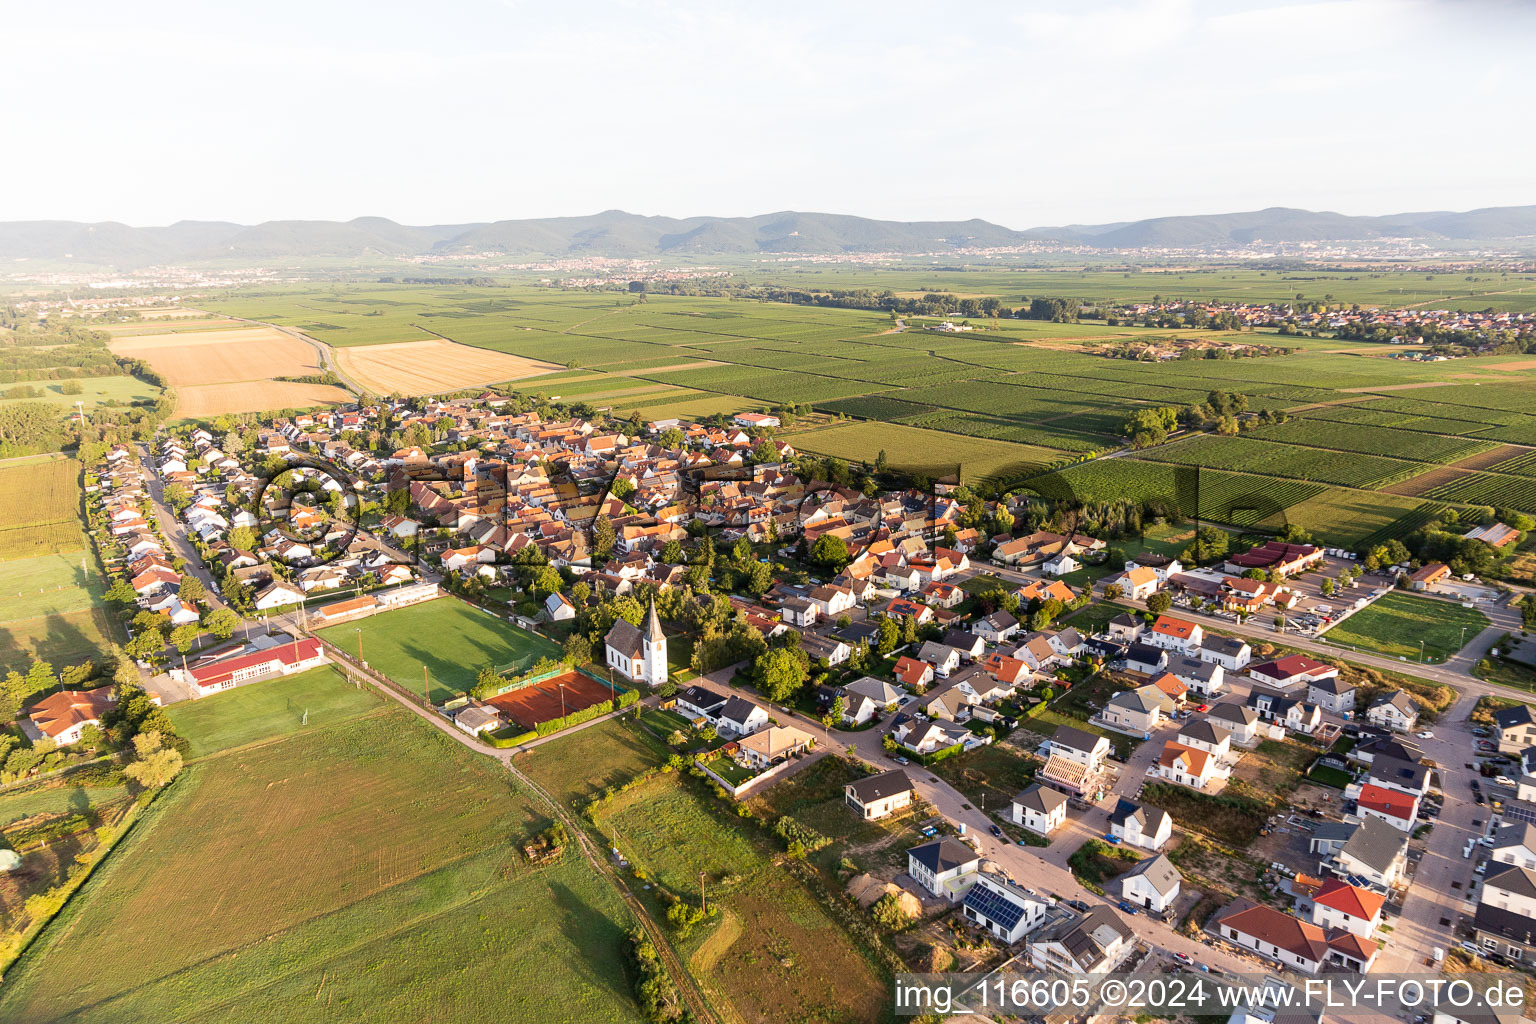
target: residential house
945 867
740 717
1505 921
1395 710
1137 711
1162 565
1094 942
1516 728
1514 843
1370 852
1337 904
1241 723
278 595
1040 809
1293 671
1126 627
943 659
1207 678
913 673
1141 825
930 737
1076 761
1207 736
1396 808
1288 712
868 696
880 796
1229 652
764 748
1333 695
800 611
968 645
64 715
700 703
1145 658
1007 911
1186 766
1175 634
1408 777
1153 883
1298 945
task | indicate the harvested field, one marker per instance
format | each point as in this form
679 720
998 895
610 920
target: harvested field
424 367
1425 482
218 357
254 396
552 698
1401 387
1491 458
180 326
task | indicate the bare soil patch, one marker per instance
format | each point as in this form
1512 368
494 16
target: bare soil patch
1483 460
1426 482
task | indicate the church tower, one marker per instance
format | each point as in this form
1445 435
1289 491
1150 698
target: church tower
654 667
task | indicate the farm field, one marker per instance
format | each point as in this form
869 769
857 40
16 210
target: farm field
209 400
1008 393
773 953
453 641
221 356
1397 623
39 507
425 367
274 707
405 862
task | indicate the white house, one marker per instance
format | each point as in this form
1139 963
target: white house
278 595
1007 911
1341 905
64 715
1395 711
1299 945
1094 942
945 867
1141 825
740 717
559 608
880 796
1039 809
1153 883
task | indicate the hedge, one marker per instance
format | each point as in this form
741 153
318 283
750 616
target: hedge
574 718
510 741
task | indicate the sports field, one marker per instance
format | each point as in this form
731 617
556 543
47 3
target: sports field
553 698
361 870
1396 623
424 367
453 641
318 698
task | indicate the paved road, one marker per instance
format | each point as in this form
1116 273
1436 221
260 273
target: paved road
176 532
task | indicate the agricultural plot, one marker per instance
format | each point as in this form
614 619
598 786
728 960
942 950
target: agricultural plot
917 450
39 492
1369 440
580 764
218 357
380 844
210 400
1396 625
94 391
1488 489
1348 518
427 367
773 954
448 638
1211 451
1523 463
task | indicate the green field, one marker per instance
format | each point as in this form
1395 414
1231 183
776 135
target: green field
773 953
94 391
269 709
453 641
580 764
1395 625
361 871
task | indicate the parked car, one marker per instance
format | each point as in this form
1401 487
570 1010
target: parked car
1110 837
997 831
1427 734
1078 905
1127 909
1468 947
901 760
1183 958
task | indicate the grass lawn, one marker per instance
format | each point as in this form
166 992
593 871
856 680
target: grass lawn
453 640
1509 673
1330 776
1093 617
59 638
577 765
1052 718
275 707
57 799
1397 623
989 776
773 952
730 771
362 871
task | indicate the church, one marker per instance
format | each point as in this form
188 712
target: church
638 657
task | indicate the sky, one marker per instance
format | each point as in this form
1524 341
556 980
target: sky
1026 114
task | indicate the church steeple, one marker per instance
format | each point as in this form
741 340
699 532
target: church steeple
653 631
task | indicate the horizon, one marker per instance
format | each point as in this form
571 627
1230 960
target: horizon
1163 105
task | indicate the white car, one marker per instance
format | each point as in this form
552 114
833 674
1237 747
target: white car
1426 735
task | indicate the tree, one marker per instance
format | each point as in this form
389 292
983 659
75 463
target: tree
890 636
71 387
835 712
242 538
888 913
155 765
1210 544
1113 592
604 537
1327 587
177 496
672 437
222 623
779 673
192 590
146 644
1159 603
831 552
672 552
577 650
184 636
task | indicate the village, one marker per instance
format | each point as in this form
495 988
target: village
923 636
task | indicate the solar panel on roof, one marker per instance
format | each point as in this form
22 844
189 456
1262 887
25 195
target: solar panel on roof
994 906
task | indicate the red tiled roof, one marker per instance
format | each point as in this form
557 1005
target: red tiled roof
1388 801
1174 627
1342 896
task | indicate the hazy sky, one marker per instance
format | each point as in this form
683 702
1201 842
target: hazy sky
1023 113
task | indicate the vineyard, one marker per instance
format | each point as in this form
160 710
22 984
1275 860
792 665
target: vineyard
1489 489
1284 460
1368 440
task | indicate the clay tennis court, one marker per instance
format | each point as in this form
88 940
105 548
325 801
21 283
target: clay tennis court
540 702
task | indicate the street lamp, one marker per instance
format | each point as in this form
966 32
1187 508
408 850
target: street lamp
1421 651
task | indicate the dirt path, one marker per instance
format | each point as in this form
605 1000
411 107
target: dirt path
1398 387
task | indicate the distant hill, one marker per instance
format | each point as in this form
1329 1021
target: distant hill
616 233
